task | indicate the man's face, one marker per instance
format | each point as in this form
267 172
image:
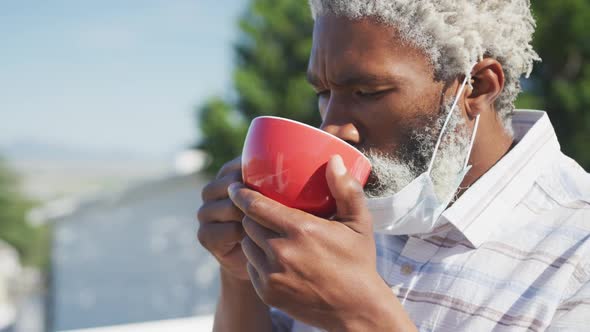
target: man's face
377 93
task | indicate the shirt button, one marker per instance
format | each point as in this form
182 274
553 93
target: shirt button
407 269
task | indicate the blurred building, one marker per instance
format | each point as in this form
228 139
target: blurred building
10 269
130 257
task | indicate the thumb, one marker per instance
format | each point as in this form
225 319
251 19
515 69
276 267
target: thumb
351 208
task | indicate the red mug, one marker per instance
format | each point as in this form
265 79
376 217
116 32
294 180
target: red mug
286 161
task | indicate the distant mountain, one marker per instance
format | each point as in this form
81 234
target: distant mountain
50 171
31 150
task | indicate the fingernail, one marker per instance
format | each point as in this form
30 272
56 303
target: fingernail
338 165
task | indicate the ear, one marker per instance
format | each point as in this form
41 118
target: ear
487 80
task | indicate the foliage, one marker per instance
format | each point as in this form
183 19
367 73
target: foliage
31 242
271 56
561 83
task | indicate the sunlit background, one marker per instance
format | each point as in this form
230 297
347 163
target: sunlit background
98 104
108 80
116 113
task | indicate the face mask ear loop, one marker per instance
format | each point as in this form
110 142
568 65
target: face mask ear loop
472 141
442 131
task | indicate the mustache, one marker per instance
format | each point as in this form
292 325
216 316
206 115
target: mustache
393 170
388 174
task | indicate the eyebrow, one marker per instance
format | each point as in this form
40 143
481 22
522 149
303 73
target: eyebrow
356 79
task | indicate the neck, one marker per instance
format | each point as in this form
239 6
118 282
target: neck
491 144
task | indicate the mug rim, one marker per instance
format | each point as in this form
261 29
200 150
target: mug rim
317 130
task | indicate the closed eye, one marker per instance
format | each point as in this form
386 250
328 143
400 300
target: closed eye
373 94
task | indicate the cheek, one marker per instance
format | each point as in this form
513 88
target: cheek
387 122
383 122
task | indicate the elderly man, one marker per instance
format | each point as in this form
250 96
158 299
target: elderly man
473 220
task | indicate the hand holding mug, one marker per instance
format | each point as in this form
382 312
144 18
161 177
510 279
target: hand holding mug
220 229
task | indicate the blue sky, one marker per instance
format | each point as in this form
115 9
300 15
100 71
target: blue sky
112 74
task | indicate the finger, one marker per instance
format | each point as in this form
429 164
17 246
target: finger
220 237
265 211
351 207
255 278
218 189
259 234
255 256
219 211
232 166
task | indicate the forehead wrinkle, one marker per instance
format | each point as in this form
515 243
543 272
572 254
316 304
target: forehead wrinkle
388 63
344 57
367 78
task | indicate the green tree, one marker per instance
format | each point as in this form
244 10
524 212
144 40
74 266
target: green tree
269 79
561 83
30 242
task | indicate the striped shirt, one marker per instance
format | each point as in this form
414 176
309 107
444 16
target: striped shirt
514 251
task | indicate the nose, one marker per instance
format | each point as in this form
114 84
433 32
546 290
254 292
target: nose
341 126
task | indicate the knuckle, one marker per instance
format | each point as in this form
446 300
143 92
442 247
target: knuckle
353 188
235 176
207 191
202 213
282 254
305 229
222 171
228 212
253 206
219 211
227 167
358 191
202 236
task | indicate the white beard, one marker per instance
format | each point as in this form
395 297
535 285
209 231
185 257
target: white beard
392 173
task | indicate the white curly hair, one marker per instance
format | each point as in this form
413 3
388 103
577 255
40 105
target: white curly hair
455 34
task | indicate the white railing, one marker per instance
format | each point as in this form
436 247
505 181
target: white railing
198 324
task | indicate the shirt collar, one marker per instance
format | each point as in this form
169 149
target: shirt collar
485 204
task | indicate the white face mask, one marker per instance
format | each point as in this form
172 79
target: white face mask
416 208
